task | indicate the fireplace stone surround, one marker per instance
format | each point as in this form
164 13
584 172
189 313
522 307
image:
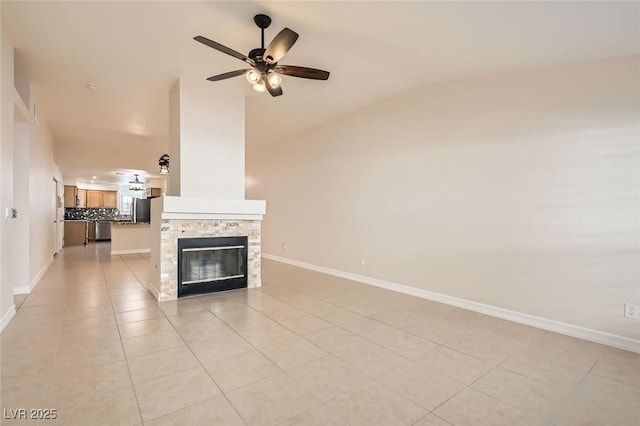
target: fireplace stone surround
183 217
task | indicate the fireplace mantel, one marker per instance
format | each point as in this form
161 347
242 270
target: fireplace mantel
209 208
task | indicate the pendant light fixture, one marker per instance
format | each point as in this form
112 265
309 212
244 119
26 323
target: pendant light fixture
136 185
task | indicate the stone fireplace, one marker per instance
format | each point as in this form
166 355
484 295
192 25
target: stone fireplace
176 219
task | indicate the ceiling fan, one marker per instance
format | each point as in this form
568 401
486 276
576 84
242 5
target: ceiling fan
265 71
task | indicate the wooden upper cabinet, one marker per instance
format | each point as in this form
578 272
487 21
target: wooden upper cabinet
94 199
110 199
82 198
70 194
154 192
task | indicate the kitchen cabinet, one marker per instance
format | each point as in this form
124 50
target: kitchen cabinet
70 194
75 232
154 192
91 230
94 199
110 199
81 198
102 199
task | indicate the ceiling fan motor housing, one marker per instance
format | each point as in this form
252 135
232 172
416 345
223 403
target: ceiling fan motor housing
255 53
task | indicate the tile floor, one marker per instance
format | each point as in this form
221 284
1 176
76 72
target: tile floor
305 349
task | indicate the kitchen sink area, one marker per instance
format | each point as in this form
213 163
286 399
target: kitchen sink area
92 215
127 233
83 225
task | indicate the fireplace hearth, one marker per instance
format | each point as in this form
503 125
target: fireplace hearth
207 265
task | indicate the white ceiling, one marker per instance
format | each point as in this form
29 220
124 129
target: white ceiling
134 51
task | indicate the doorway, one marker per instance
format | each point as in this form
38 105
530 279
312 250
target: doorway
56 219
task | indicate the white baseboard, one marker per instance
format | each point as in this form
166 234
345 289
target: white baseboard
21 289
37 278
7 317
26 289
591 335
132 251
153 291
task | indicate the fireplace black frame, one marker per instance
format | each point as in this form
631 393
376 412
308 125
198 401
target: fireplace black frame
212 286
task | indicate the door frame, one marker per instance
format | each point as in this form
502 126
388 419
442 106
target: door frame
56 221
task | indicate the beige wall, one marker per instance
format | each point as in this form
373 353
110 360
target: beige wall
130 239
42 196
519 191
7 231
28 169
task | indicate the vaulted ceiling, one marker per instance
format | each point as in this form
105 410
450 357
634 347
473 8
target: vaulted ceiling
134 51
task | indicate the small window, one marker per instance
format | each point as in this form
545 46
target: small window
126 205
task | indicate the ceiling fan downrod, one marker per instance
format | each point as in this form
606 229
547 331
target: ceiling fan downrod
263 22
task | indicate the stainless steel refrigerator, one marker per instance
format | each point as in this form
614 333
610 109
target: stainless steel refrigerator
141 210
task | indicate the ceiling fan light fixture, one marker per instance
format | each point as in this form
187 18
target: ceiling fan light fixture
163 162
259 86
253 76
274 80
263 61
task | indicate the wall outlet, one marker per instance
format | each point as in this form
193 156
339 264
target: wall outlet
631 311
363 261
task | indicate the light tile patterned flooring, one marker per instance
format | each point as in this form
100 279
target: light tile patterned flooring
305 349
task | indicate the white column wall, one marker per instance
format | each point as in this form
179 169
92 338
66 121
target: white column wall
207 153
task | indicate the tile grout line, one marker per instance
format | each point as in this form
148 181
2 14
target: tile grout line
282 371
255 348
55 352
222 393
327 354
133 388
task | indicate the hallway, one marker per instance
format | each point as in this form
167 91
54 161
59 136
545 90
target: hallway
305 349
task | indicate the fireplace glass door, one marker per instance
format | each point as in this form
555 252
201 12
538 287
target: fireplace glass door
211 264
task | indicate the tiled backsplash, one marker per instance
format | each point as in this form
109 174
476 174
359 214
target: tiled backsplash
91 214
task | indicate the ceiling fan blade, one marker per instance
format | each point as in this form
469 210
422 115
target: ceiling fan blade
274 91
280 45
224 49
227 75
302 72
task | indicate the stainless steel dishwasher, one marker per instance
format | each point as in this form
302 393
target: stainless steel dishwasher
103 231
